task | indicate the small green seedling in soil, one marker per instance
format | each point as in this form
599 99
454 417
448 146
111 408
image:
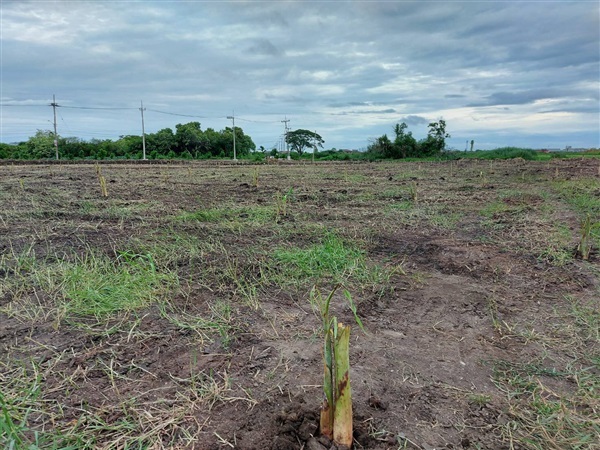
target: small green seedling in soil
584 248
412 192
281 201
336 411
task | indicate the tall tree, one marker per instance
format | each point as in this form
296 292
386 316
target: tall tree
189 137
161 142
435 142
41 145
300 139
405 145
381 147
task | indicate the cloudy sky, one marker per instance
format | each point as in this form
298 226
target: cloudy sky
522 73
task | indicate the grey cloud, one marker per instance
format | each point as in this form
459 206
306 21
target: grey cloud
515 98
414 120
264 47
379 111
361 103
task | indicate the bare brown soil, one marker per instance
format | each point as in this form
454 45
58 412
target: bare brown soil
474 289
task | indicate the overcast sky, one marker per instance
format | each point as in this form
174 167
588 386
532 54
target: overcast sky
518 73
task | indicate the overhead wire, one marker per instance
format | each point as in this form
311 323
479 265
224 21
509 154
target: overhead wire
3 105
93 107
119 108
176 114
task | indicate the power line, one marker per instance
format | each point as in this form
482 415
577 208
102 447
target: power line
120 108
4 105
95 107
175 114
257 121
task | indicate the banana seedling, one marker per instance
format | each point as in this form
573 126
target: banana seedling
336 411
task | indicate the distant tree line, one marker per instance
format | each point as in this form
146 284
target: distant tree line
188 141
405 145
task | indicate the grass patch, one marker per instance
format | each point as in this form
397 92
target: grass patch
219 323
504 153
203 215
256 214
88 285
554 404
331 259
544 418
582 194
98 286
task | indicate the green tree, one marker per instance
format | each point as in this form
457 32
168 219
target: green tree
298 140
382 147
435 142
189 137
7 151
243 143
41 145
161 142
75 148
127 147
405 145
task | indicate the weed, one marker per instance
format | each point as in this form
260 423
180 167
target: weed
281 202
479 399
219 323
96 286
413 192
404 205
332 259
17 401
584 248
204 215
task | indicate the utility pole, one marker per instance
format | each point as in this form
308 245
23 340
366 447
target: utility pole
142 109
54 105
232 117
285 122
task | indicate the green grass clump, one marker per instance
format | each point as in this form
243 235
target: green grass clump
505 153
203 215
97 286
253 215
332 260
329 259
582 194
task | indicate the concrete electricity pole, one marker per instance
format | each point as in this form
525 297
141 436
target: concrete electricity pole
54 105
232 117
285 122
142 109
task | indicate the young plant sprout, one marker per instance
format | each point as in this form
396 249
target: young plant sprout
336 411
